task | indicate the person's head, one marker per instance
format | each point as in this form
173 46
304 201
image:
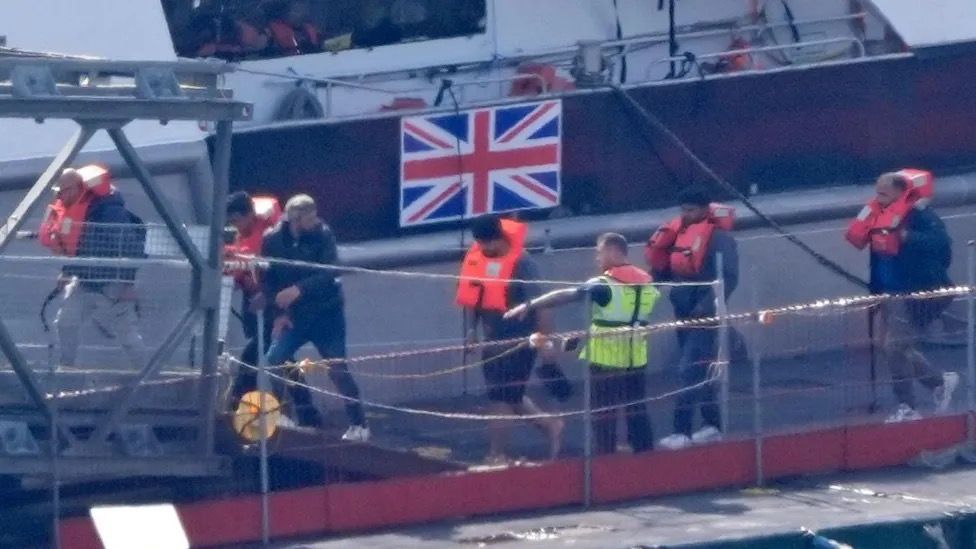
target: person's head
611 250
693 203
302 214
240 212
889 188
487 231
70 186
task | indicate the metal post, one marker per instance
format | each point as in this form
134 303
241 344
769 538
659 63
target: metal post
124 400
55 442
757 347
264 386
587 409
215 258
31 201
722 357
971 343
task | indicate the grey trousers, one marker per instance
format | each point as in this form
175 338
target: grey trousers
110 309
897 334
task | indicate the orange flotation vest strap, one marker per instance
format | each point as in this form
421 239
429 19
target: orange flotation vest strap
485 280
63 226
267 212
682 250
879 226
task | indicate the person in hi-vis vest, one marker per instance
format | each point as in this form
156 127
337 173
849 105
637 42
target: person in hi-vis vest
622 297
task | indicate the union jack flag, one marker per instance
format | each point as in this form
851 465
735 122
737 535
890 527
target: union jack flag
497 159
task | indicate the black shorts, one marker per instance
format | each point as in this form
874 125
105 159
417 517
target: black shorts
505 377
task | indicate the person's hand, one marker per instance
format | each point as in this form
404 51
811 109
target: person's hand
286 297
519 312
281 324
257 303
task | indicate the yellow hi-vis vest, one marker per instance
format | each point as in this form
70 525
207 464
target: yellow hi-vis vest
632 300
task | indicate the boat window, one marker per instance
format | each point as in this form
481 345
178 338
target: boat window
259 29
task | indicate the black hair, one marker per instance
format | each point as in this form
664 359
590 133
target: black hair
239 203
487 228
695 196
615 240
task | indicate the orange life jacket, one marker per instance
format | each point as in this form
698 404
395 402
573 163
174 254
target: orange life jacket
287 40
63 226
629 274
682 250
267 212
485 280
879 226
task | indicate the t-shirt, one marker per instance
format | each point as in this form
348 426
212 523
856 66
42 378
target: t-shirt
599 290
494 326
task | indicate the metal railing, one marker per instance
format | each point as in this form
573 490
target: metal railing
563 57
762 49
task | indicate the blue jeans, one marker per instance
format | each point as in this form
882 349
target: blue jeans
699 347
328 335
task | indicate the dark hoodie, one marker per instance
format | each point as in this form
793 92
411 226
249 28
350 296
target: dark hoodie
922 263
110 231
321 292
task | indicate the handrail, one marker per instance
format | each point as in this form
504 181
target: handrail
655 37
638 39
502 80
845 40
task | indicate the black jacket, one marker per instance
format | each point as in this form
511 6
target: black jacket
110 231
922 263
320 287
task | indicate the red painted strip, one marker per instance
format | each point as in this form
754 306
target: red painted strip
803 453
222 522
353 507
535 187
880 445
423 499
622 477
428 136
510 134
436 203
79 533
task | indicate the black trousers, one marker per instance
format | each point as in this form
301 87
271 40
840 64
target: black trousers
613 387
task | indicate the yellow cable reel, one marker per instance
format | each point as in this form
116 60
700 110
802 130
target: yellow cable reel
247 417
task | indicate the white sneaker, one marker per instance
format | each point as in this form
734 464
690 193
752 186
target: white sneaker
706 435
286 422
356 433
675 442
943 394
903 413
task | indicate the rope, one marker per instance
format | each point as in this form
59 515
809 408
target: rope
482 417
261 262
654 122
762 315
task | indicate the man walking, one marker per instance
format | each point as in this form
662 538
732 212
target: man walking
686 250
493 275
910 252
89 219
308 307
